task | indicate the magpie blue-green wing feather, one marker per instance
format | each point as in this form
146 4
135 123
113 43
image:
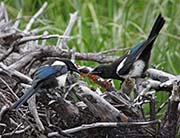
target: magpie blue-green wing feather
46 72
43 73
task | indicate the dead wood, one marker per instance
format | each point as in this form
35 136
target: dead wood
77 110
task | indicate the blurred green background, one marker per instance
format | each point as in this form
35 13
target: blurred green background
106 24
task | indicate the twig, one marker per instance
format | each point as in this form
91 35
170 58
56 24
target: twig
126 105
154 84
9 39
113 50
61 43
12 92
39 52
170 82
3 111
73 51
40 11
45 33
99 106
159 75
172 116
109 124
33 110
40 37
175 96
24 78
141 94
152 106
9 51
31 101
69 90
18 131
40 29
162 106
5 12
17 22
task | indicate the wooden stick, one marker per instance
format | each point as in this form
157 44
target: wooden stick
99 106
108 124
39 12
61 43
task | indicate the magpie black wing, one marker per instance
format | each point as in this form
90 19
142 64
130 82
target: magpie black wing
143 49
132 56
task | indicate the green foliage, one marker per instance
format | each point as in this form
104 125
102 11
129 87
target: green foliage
104 25
107 24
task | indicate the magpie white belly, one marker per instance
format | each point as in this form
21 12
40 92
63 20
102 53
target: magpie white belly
61 80
138 68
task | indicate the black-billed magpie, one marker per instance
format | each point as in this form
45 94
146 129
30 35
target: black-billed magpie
48 76
135 62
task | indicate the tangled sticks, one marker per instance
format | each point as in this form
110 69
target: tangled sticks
99 111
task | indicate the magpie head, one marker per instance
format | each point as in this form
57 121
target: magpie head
103 71
70 65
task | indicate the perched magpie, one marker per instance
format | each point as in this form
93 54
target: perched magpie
48 76
135 62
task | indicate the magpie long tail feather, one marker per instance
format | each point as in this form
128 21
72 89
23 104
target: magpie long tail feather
24 98
159 23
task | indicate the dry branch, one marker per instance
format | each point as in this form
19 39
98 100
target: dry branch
108 124
20 54
100 107
61 43
12 72
39 52
40 11
173 115
33 109
40 37
159 75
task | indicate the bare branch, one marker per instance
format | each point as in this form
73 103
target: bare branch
17 22
99 106
12 92
29 25
113 50
13 72
173 115
170 82
108 124
33 110
61 43
5 12
9 51
39 37
159 75
18 131
45 33
38 52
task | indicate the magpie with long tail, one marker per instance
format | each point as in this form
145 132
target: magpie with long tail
48 76
135 62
